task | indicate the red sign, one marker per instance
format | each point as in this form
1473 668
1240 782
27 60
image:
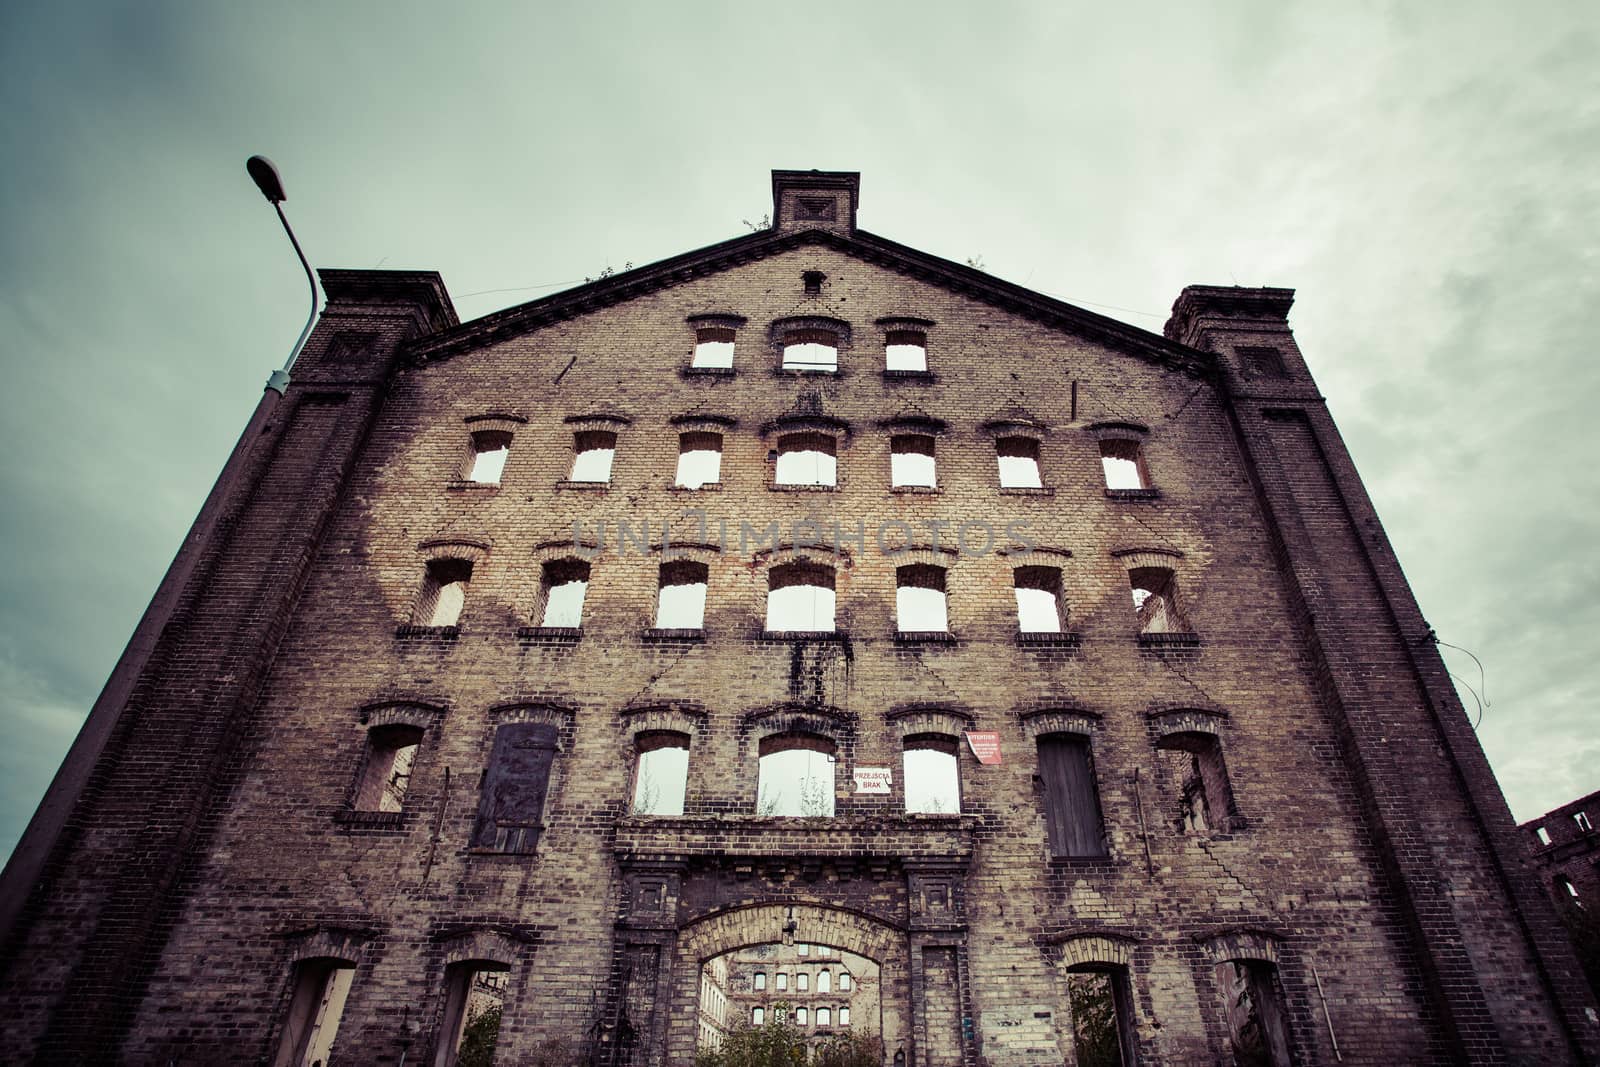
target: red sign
985 745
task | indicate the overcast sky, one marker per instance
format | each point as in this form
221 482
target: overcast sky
1426 175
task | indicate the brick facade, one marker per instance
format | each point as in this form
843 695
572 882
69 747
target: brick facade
206 839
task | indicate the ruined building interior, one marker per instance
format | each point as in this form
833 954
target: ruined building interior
801 624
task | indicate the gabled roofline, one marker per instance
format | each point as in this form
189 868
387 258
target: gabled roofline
748 248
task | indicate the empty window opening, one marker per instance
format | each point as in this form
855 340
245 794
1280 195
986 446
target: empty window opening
386 771
681 604
800 598
699 460
660 772
1155 592
911 460
1123 463
320 988
512 797
1039 608
906 350
1582 819
1257 1027
444 592
824 982
474 1001
919 599
811 350
713 347
796 780
1199 778
844 981
565 583
761 981
593 451
932 781
1102 1016
489 451
1542 834
1072 800
1019 462
807 459
813 279
758 1015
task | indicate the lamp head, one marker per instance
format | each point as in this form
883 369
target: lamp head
265 175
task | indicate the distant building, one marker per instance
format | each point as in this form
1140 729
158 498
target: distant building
807 588
1566 853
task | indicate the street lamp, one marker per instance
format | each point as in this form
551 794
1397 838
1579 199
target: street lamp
265 175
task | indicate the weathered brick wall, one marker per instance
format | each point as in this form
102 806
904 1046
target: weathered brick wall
969 970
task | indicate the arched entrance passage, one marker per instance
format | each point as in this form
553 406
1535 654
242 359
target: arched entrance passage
727 931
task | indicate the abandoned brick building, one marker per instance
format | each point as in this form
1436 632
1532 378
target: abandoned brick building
806 588
1566 853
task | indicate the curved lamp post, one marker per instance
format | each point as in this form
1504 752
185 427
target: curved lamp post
265 175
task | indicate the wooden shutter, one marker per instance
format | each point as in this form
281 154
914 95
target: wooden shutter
1072 803
511 809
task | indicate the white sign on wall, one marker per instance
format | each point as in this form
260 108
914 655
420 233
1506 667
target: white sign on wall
873 780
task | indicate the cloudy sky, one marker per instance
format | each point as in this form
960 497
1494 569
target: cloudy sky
1426 175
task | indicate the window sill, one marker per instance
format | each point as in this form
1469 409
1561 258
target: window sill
674 635
909 376
1050 639
705 487
925 637
1106 862
593 487
374 820
777 487
708 372
553 635
804 635
438 633
807 372
1026 490
1133 494
495 853
917 490
1170 640
465 485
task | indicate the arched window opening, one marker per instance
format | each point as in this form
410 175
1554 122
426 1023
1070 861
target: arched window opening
807 459
660 772
911 461
699 460
824 981
1253 1004
931 772
1122 462
1039 606
316 1005
475 992
919 599
681 603
905 350
444 592
824 1017
564 585
490 449
713 347
1100 999
811 350
800 598
1155 600
386 768
796 779
593 451
1019 462
1199 779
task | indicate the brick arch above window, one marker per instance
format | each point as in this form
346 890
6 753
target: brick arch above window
706 552
1242 943
727 319
489 945
912 719
1094 948
550 551
1118 431
401 713
779 328
473 550
1186 720
679 717
1057 719
807 423
1037 556
560 716
922 555
914 422
495 422
606 420
702 422
788 553
345 943
1016 422
1134 558
824 720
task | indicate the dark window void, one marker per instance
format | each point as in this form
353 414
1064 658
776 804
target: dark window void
511 808
660 772
386 769
475 992
1202 798
315 1007
488 460
1102 1016
1155 600
444 592
1253 1005
1072 800
796 776
1262 362
1123 465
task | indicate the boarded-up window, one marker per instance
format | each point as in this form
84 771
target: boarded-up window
1072 803
511 810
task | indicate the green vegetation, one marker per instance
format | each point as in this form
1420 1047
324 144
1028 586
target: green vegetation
779 1044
